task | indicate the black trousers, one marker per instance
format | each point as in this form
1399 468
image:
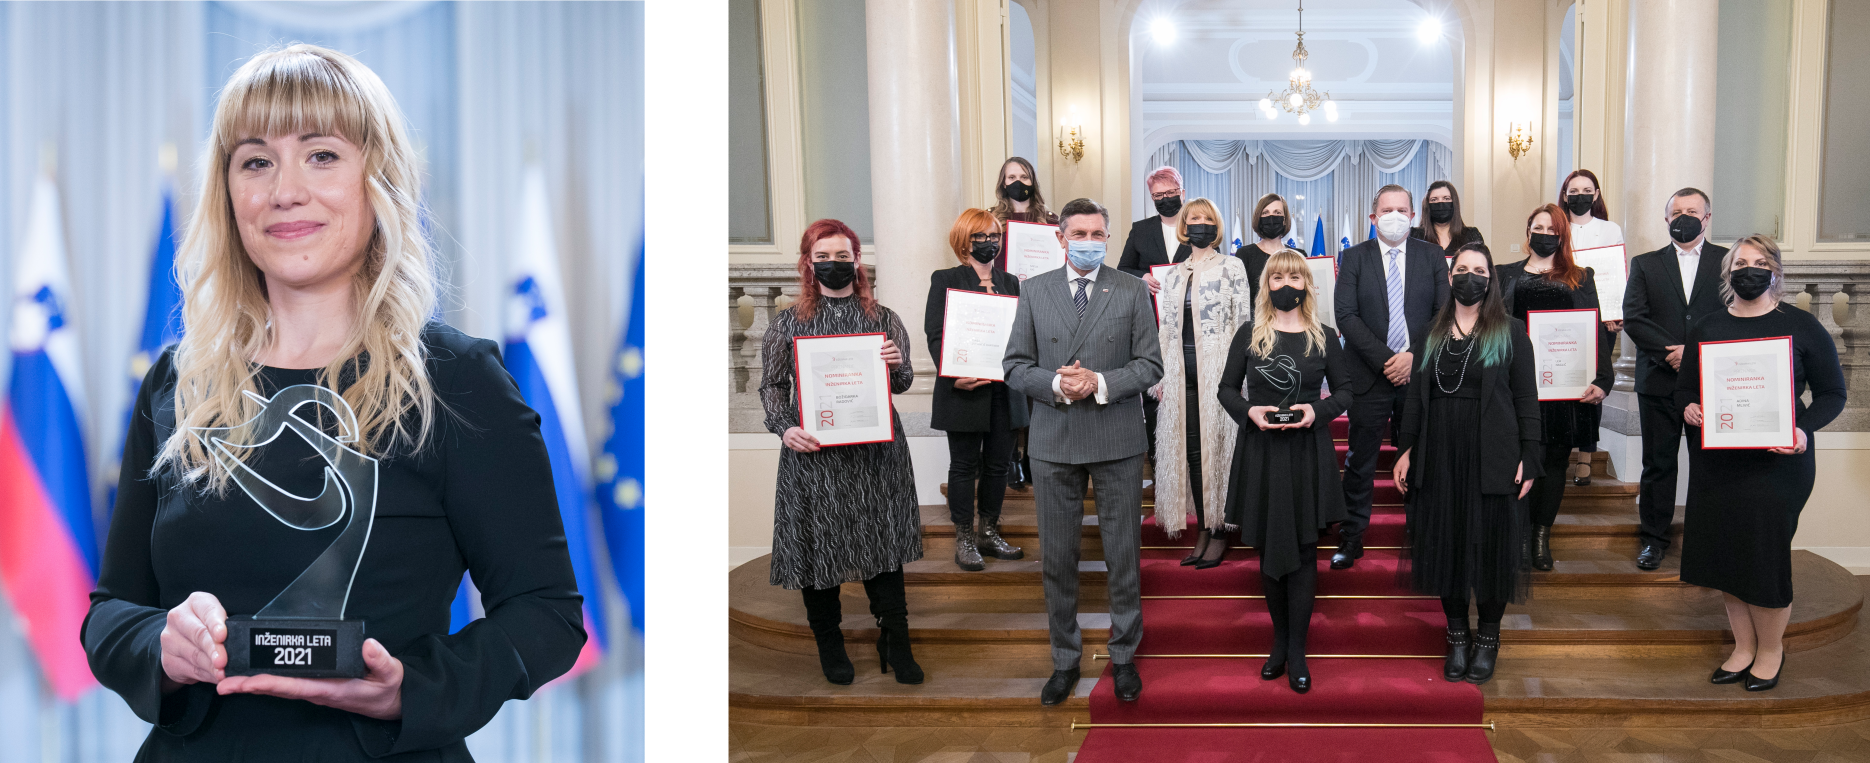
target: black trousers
1548 491
1192 401
1149 423
1373 415
1491 612
1662 443
977 468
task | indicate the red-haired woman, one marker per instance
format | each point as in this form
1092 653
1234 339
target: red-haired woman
848 513
979 415
1548 280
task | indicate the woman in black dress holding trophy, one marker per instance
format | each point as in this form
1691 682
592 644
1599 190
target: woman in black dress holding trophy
1470 450
1743 505
311 368
1284 487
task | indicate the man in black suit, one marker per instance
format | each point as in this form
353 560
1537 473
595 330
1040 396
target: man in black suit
1150 242
1669 289
1389 289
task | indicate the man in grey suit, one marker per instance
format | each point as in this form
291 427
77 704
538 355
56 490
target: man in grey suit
1084 348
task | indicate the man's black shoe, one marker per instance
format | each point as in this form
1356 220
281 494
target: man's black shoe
1350 549
1128 683
1058 689
1650 558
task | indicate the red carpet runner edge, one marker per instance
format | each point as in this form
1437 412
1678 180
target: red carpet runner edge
1229 690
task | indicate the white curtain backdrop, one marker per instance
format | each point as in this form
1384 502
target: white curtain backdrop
487 88
1332 179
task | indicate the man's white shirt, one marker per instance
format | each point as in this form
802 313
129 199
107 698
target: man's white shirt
1689 260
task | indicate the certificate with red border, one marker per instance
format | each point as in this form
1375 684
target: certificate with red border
1611 270
975 328
1160 272
1032 249
1325 286
1746 394
1564 351
844 388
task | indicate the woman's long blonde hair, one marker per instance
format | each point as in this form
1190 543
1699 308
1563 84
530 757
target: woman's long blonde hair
1288 262
293 90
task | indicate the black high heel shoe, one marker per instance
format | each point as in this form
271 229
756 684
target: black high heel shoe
1729 676
1756 683
890 653
1215 553
1300 678
1272 670
1201 545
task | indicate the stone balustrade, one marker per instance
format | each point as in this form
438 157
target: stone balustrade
764 290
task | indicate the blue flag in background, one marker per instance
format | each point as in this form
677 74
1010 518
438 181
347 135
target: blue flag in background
1373 232
620 468
162 323
1318 238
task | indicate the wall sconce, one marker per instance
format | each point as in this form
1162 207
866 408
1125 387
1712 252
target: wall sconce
1518 139
1071 137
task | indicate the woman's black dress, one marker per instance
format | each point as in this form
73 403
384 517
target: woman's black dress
1568 423
1743 505
478 497
1284 489
1460 539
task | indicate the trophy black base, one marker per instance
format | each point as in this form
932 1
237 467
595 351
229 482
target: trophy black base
296 648
1287 416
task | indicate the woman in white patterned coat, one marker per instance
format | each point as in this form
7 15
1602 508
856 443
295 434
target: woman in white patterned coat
1204 300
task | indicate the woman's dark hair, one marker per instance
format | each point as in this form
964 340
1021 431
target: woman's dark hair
1564 270
807 303
1003 206
1597 207
1455 226
1259 208
1493 331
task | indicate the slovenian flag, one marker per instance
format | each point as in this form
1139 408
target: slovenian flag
48 543
1318 238
620 469
162 321
538 355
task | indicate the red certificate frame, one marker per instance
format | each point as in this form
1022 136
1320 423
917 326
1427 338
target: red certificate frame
1156 299
1791 399
947 308
1590 354
888 424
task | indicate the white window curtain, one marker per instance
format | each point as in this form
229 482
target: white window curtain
1332 180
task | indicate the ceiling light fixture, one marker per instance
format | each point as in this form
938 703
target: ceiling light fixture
1299 97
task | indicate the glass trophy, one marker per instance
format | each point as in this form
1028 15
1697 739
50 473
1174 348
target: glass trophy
1284 375
303 632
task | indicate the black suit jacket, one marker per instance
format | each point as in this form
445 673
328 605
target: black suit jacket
1510 432
1582 298
964 410
1655 315
1144 248
1363 307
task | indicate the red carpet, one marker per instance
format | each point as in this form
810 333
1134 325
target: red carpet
1229 690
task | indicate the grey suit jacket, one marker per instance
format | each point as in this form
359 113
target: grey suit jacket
1116 338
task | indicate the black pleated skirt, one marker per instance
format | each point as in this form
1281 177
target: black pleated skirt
1283 491
1461 542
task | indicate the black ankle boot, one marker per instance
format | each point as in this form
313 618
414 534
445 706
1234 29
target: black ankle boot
1455 668
1542 547
889 603
1486 650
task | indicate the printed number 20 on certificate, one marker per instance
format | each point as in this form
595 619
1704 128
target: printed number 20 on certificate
1564 351
844 388
1746 394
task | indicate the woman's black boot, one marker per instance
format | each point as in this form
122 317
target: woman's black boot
889 603
1542 547
1455 668
825 615
1486 650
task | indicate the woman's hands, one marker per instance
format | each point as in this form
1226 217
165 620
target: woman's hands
1156 392
1692 414
1592 394
796 439
378 695
1519 478
1798 444
1304 422
1257 414
967 383
1400 472
1613 326
193 643
891 355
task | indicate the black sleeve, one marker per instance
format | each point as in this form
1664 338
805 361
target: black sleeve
1410 432
777 394
1474 236
503 514
1637 323
1236 375
1439 266
122 633
1523 380
1823 375
1338 375
934 314
1587 297
1132 260
1372 350
1688 377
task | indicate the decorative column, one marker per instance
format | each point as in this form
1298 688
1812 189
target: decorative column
915 156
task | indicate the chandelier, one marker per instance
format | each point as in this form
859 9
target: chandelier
1299 97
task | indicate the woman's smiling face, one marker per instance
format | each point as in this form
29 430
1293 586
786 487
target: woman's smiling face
300 204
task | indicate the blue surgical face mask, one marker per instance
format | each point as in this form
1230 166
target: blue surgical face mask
1085 255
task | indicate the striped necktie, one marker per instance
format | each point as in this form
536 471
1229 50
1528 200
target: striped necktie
1399 325
1081 299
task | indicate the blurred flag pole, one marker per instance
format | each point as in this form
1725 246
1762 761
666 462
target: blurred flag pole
48 540
620 469
162 312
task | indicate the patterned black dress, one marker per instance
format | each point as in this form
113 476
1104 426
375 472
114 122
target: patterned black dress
849 512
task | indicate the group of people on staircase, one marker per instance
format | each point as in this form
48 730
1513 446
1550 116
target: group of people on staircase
1235 373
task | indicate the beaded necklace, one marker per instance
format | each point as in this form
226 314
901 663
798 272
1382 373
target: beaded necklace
1465 355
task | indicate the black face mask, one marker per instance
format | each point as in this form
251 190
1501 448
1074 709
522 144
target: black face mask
1544 243
985 251
1469 288
1201 235
1440 211
1271 226
1169 206
1579 204
1749 283
1286 298
1017 191
834 275
1685 228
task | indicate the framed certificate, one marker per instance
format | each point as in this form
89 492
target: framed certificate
1746 394
975 328
844 388
1612 274
1160 272
1564 351
1325 282
1032 249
